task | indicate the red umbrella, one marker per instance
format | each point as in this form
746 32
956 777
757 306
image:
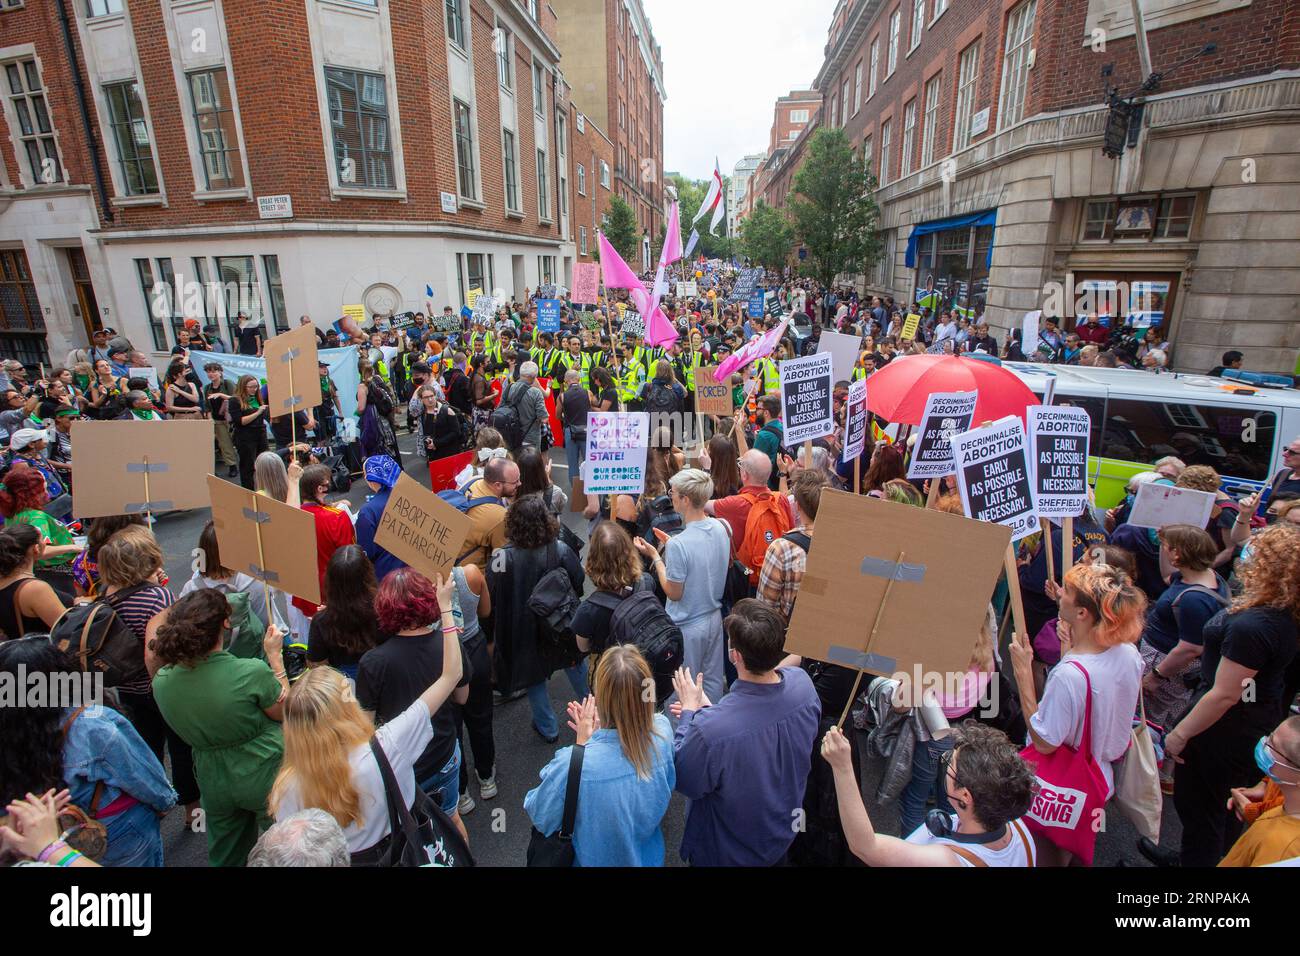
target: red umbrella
898 391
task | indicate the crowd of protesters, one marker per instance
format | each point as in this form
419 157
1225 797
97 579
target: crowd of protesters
297 733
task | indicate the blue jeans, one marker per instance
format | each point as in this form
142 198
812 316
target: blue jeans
134 838
539 698
443 786
925 781
575 452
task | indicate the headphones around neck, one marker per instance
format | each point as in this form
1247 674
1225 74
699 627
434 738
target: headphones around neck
939 823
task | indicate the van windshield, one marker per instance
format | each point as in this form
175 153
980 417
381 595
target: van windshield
1237 443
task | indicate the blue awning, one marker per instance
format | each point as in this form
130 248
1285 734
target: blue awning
988 218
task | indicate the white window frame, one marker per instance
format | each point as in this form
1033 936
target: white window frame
798 116
473 156
930 120
909 137
844 100
604 174
582 240
504 41
874 68
940 8
918 25
886 137
968 75
895 28
543 188
456 7
90 8
26 175
857 88
582 180
835 110
510 169
539 88
1015 64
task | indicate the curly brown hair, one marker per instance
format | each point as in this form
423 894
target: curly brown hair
192 627
530 523
989 765
1271 577
612 563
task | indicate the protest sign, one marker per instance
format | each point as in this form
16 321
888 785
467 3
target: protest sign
546 291
421 530
711 398
946 414
687 290
843 349
266 539
855 420
633 323
402 321
994 478
1058 442
616 452
910 325
548 315
1160 505
146 372
133 467
806 407
756 302
357 313
471 297
941 586
448 324
1029 332
292 371
342 370
586 283
484 308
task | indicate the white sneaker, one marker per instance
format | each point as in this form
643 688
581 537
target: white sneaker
466 803
487 789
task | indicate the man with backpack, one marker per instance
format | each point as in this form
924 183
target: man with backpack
522 414
755 515
771 432
485 503
664 398
787 556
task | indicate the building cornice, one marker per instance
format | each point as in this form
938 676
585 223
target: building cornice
298 228
860 19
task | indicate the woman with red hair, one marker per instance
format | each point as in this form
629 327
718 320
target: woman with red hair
394 674
1099 621
22 496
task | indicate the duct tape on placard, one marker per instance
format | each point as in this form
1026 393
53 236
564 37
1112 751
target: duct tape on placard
869 660
257 517
147 468
290 355
861 660
883 568
291 401
267 577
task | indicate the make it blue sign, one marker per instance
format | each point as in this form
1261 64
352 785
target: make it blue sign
548 315
756 304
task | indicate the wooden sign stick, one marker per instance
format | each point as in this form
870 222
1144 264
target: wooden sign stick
880 612
1047 544
293 427
148 515
932 499
857 475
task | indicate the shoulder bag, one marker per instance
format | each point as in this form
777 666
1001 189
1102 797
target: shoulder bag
557 849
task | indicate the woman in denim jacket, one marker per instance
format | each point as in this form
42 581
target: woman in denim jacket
93 750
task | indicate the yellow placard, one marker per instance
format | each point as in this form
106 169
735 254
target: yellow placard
357 313
472 296
910 325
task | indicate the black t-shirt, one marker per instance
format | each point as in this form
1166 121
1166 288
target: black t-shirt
610 395
1287 485
1262 639
592 622
576 403
248 339
282 431
240 408
321 648
391 676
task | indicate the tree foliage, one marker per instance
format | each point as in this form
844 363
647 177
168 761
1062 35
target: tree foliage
691 193
832 209
622 231
766 236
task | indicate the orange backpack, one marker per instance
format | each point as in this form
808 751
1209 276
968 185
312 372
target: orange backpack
767 521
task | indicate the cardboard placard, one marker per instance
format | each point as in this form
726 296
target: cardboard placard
586 283
855 420
1159 505
286 558
114 458
616 452
421 530
577 497
910 325
844 351
712 398
1058 440
939 598
946 414
448 324
806 407
292 371
484 308
994 477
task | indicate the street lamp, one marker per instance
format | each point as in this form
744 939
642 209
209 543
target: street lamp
1124 119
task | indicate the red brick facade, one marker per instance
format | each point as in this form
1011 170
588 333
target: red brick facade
590 148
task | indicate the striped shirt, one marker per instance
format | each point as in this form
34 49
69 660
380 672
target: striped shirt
136 610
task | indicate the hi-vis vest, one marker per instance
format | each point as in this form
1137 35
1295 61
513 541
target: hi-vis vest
688 362
546 359
648 357
581 362
487 338
859 373
768 374
628 380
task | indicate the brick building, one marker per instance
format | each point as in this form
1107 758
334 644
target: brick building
984 122
738 188
293 156
619 83
593 181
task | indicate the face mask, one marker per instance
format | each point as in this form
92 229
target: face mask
1265 760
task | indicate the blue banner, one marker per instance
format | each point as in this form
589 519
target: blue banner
756 304
342 370
548 315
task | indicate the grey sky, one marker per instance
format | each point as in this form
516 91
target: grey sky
725 63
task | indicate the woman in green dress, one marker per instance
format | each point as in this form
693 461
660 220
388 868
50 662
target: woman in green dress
22 496
228 709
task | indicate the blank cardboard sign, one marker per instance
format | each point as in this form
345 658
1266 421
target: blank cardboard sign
940 592
114 458
421 530
287 557
292 371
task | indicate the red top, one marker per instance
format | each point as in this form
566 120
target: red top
333 530
735 510
1092 335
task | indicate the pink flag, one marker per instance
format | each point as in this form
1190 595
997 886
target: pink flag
672 240
750 352
617 273
659 331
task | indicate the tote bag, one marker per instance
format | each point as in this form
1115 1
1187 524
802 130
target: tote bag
1071 789
1137 780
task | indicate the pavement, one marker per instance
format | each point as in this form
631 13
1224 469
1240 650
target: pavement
499 829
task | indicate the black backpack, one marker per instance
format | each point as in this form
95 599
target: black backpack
553 600
640 619
377 395
507 420
661 398
663 517
100 641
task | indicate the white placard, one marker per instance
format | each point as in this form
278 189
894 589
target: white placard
807 411
1058 444
1029 332
1159 505
275 207
616 453
146 372
855 420
946 414
844 351
994 478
